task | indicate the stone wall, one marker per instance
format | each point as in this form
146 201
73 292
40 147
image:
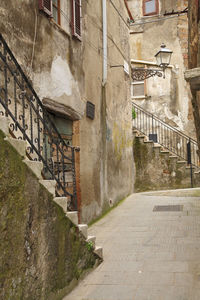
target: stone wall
42 254
158 170
169 98
106 157
66 73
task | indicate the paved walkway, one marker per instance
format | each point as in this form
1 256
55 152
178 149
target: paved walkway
148 255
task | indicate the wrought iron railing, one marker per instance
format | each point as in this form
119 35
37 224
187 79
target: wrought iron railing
30 121
169 137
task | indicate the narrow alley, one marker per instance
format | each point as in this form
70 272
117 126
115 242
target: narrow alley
151 245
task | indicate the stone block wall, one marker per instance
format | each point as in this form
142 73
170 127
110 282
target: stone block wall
42 254
158 170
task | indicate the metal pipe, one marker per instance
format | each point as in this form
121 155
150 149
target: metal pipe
105 54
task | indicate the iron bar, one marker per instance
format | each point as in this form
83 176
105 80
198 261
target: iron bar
30 120
170 138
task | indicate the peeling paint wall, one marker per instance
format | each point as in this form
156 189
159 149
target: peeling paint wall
66 73
42 254
106 158
169 98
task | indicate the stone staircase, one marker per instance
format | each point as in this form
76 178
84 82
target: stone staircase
158 168
50 185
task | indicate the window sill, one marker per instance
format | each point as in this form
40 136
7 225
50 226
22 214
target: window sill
139 97
58 27
150 16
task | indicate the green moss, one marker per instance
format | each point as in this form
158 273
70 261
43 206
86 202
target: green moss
141 158
106 212
50 254
140 151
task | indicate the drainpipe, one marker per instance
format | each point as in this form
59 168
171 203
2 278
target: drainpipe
104 42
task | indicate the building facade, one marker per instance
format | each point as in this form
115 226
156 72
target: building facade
157 22
192 75
78 63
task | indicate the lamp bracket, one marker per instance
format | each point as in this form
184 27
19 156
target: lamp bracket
140 74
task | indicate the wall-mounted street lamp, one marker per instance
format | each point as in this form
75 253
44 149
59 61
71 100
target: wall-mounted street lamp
163 58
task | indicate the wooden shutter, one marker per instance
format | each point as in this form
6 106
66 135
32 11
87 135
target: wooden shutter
76 18
46 6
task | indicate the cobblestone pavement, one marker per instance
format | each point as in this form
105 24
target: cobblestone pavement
148 255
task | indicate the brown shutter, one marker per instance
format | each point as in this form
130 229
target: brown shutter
46 6
76 18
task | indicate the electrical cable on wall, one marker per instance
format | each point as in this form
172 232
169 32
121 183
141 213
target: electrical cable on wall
94 47
34 42
159 18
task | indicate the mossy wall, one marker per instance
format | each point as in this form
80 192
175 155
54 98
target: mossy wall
156 170
42 254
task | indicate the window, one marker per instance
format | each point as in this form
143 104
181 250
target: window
46 6
61 12
138 89
56 11
76 18
150 7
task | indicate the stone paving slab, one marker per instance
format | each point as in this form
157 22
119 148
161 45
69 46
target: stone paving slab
147 255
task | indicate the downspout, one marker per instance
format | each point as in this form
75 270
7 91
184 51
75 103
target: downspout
105 54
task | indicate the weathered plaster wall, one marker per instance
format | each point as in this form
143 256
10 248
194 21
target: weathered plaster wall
169 98
156 170
66 73
106 158
45 52
42 254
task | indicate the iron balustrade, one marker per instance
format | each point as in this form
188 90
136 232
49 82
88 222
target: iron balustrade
30 121
167 136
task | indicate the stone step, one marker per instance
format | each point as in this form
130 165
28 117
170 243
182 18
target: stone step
35 166
173 157
141 136
148 142
73 216
19 145
50 185
164 151
193 167
135 130
182 162
197 172
4 125
62 202
156 145
84 229
99 251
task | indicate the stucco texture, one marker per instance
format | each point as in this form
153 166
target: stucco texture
106 157
66 73
169 98
42 254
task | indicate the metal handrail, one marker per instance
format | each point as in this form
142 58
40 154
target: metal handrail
167 136
30 121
